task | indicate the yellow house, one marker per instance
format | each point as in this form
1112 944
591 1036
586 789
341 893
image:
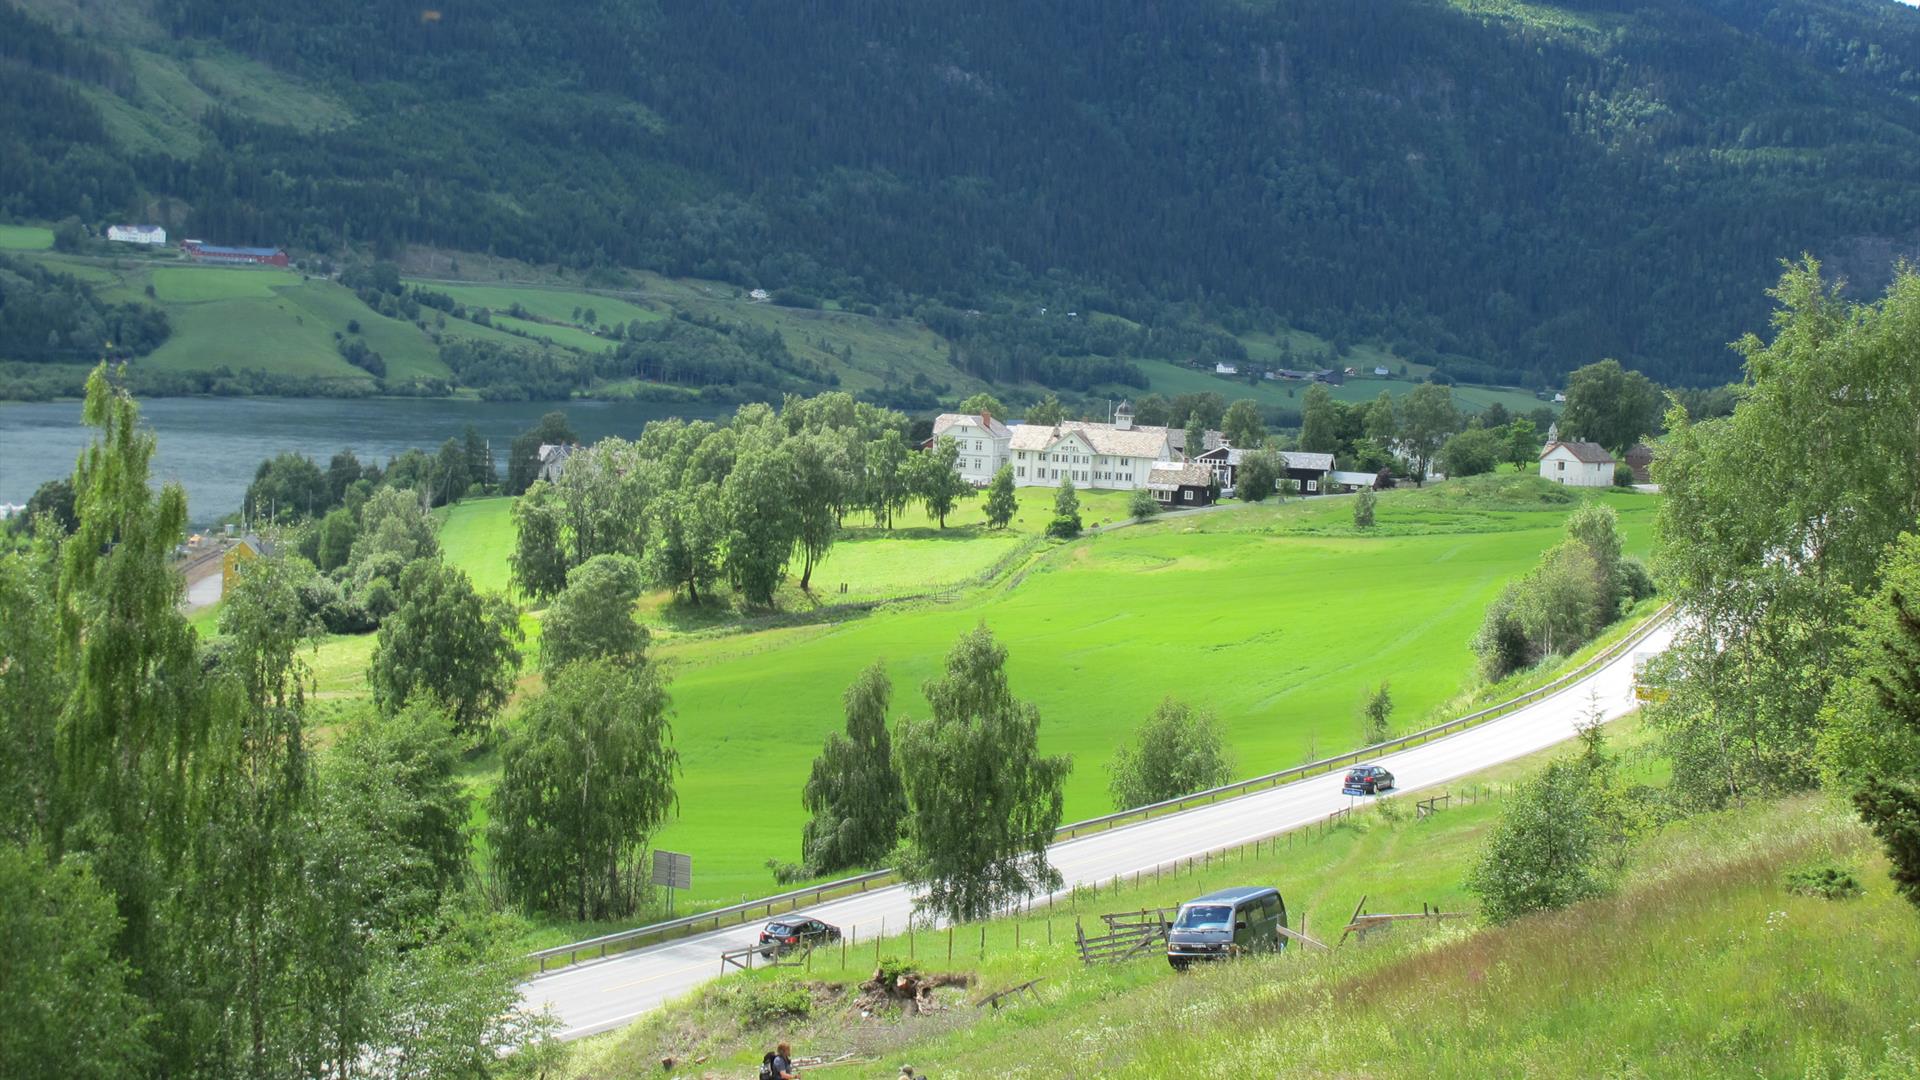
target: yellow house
250 546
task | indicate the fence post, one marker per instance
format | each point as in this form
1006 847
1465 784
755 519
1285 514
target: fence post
949 943
983 941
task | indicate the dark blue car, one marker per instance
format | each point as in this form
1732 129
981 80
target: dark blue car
1367 780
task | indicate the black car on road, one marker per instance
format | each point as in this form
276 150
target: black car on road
783 934
1367 780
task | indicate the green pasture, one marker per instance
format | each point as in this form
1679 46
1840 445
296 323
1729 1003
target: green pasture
1169 379
1280 634
477 536
566 337
25 238
278 321
547 303
197 284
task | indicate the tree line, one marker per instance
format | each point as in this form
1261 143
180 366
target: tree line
191 888
743 501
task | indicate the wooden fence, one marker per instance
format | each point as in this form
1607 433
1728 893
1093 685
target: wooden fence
1129 934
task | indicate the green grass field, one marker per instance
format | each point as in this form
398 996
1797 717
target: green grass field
477 536
25 238
1169 379
1281 634
1702 965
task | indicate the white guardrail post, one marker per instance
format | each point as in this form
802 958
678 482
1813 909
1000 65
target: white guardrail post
816 893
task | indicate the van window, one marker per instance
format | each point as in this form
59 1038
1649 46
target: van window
1204 917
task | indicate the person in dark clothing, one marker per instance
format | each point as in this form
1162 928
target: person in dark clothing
783 1063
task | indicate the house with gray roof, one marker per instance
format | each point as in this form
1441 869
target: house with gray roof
1181 485
1577 464
983 443
1118 456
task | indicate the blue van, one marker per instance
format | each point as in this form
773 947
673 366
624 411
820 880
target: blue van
1229 922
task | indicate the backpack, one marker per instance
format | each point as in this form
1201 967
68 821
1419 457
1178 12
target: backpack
767 1071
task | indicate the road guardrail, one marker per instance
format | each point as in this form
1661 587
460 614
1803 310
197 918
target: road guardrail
765 907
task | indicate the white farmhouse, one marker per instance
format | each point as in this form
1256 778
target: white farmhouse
1118 455
1224 368
137 234
982 440
1577 464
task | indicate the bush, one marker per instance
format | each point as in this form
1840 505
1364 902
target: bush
1363 509
1623 476
1143 505
1176 751
767 1004
1546 850
1824 882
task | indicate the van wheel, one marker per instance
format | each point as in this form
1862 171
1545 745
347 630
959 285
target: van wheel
1179 966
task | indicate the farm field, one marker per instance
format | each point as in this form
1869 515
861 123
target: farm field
1277 616
1169 379
1280 634
477 536
25 238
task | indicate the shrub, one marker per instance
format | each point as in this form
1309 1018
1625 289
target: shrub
1825 882
1176 751
1143 505
1546 850
1363 509
767 1004
1623 476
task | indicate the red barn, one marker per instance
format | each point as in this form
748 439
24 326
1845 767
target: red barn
200 251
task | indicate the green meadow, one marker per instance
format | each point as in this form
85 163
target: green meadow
1277 616
25 238
1169 379
1245 611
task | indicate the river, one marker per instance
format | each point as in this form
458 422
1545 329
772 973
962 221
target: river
213 445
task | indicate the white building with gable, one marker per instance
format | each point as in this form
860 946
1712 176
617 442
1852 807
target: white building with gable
1577 464
982 441
1118 455
137 234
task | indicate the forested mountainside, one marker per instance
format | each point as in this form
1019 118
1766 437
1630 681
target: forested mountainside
1510 189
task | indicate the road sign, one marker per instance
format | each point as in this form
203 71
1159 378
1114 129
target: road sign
673 870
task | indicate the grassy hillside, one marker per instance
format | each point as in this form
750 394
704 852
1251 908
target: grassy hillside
1704 964
1621 180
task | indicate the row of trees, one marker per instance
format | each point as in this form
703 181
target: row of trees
1577 589
697 502
189 890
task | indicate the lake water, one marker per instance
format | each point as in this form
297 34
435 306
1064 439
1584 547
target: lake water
213 445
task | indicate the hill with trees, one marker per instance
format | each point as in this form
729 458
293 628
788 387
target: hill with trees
1508 190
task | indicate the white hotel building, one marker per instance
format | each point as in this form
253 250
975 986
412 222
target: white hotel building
1117 455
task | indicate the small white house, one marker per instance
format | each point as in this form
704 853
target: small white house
137 234
759 296
1221 368
1577 464
1381 370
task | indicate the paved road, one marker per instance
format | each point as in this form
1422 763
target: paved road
600 996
